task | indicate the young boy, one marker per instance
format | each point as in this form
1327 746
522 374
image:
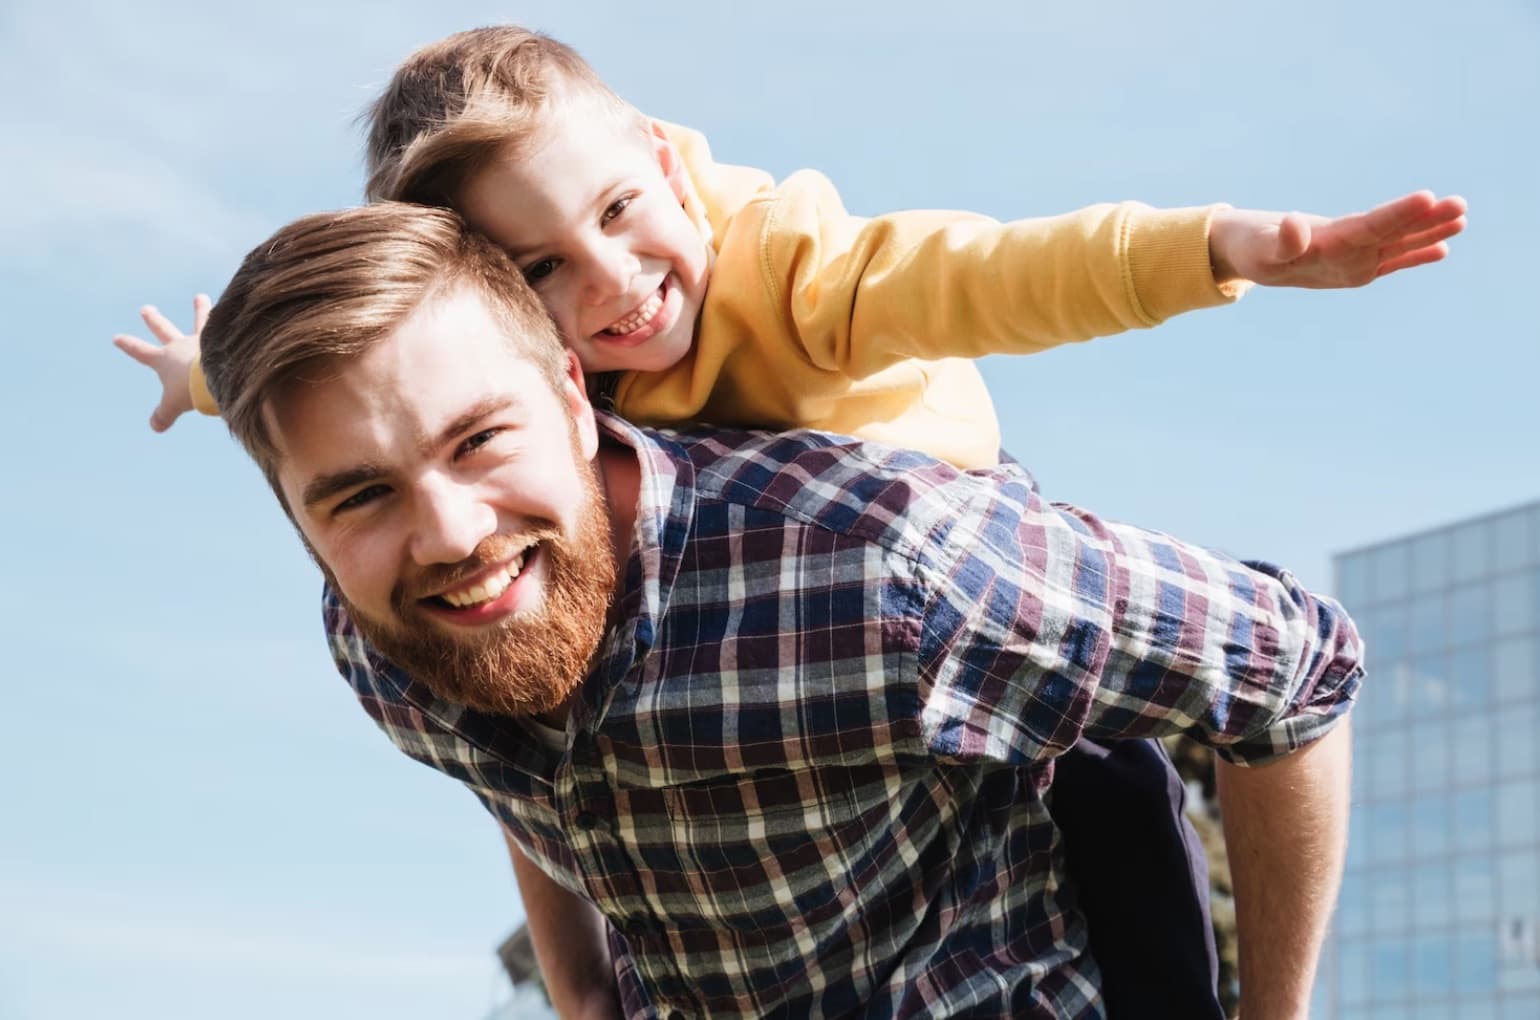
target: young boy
814 317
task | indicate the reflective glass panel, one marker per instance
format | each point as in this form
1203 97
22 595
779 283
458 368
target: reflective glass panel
1518 740
1472 550
1470 673
1430 688
1430 824
1429 632
1390 975
1389 572
1475 961
1517 804
1430 561
1389 900
1388 758
1513 603
1474 889
1470 613
1352 581
1473 826
1430 755
1515 544
1473 742
1515 664
1353 978
1430 894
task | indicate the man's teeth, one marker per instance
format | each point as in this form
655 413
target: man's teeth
639 318
486 590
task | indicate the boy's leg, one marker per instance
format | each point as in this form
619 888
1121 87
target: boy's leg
1142 879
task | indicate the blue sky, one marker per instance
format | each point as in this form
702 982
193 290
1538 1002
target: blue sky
198 820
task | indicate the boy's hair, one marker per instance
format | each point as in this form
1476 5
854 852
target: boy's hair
330 286
456 104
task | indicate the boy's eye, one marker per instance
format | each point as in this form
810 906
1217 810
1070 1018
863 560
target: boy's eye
537 271
615 208
362 498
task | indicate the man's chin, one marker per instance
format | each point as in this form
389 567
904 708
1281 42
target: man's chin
509 669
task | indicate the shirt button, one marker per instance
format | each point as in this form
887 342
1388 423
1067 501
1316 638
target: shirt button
587 821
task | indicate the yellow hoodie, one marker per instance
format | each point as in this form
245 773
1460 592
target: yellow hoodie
816 318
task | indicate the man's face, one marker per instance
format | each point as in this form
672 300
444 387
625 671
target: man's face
591 215
447 491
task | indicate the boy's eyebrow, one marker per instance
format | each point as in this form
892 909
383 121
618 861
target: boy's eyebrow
324 487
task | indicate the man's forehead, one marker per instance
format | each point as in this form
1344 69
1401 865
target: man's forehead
447 362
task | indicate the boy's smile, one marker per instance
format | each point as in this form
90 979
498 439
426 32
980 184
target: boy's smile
590 209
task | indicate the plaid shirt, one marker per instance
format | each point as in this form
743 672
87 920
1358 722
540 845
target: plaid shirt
805 776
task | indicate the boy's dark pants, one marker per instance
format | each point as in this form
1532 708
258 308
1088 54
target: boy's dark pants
1142 879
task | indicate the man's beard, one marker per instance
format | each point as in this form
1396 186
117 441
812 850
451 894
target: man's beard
525 665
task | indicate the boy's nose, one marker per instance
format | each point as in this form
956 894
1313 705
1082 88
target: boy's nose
450 523
611 269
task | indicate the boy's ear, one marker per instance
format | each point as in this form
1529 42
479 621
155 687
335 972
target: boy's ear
669 160
575 394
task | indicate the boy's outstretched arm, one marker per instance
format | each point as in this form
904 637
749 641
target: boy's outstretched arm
1304 250
171 359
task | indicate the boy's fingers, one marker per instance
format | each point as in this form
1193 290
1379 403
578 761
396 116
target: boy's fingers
1433 235
163 328
1397 215
1420 257
201 306
141 351
1293 237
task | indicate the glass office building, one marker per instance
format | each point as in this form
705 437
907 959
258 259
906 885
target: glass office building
1439 915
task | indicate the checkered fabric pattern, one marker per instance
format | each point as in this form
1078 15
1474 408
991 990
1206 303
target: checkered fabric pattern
805 776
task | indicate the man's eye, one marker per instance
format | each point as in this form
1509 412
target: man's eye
537 271
615 209
477 441
362 498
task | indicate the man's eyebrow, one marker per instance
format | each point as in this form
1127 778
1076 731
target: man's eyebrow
324 487
482 409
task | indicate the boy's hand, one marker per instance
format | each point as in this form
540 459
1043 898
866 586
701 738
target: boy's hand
1302 250
171 359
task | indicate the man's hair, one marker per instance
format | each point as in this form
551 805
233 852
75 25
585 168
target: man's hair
455 105
330 286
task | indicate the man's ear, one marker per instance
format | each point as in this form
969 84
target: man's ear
669 160
575 393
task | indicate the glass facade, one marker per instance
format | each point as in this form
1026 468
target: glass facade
1439 914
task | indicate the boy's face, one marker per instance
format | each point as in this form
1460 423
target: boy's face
592 215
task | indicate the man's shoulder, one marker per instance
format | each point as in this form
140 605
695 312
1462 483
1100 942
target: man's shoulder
895 497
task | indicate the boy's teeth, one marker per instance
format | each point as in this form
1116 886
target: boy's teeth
486 590
639 318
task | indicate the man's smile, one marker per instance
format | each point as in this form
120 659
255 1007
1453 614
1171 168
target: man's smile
489 595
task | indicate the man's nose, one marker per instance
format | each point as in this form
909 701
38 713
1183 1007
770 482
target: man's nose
611 268
450 522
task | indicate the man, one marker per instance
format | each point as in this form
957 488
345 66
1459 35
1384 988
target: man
767 720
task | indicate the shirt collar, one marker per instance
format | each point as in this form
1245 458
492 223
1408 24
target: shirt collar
665 514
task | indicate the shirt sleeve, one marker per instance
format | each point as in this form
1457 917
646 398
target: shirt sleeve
1045 624
861 293
203 400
